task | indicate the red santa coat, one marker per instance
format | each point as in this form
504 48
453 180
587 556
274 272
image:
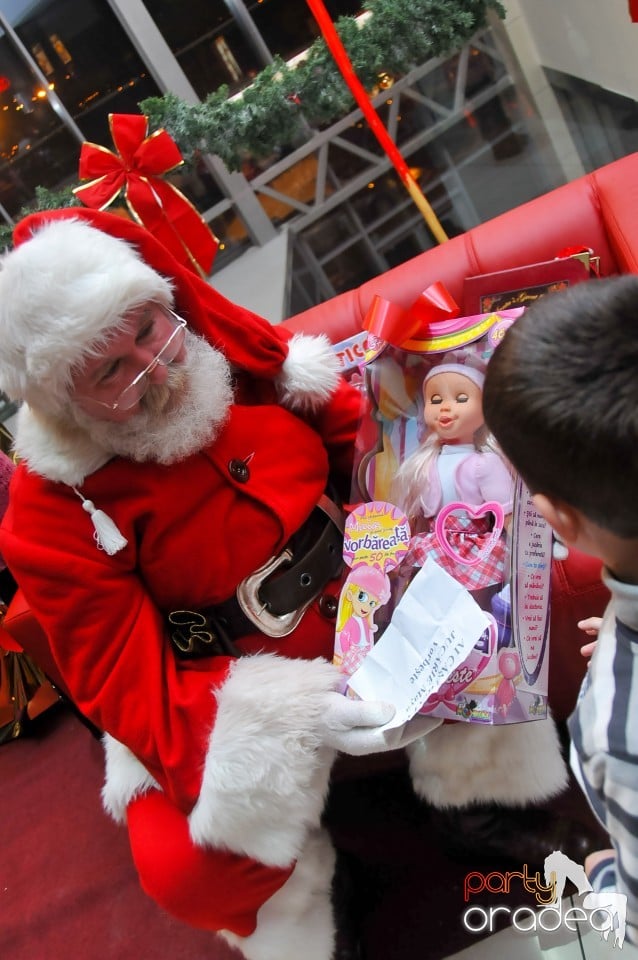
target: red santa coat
194 532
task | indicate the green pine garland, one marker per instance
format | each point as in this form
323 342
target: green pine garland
283 102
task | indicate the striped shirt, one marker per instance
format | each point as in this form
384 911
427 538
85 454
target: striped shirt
604 734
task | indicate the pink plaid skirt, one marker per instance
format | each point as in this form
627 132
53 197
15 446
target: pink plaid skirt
468 538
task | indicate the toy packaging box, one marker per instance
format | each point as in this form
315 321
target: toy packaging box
351 354
445 608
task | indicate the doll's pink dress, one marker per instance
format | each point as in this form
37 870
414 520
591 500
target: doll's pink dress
479 477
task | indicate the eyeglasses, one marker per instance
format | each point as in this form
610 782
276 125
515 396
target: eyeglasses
133 393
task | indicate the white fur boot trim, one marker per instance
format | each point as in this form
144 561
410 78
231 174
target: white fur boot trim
297 922
310 373
125 778
463 763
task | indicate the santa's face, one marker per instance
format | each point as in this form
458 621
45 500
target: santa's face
180 412
113 384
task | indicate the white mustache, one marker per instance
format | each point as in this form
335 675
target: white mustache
176 418
158 395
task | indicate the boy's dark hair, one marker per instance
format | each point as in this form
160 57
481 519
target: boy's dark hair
561 398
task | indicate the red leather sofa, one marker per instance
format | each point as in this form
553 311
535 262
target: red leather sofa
600 211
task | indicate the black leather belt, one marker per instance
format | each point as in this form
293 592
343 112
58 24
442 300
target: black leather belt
271 600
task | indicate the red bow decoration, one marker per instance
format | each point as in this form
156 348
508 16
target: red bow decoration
396 325
136 168
633 10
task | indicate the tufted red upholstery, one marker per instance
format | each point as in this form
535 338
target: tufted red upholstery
599 210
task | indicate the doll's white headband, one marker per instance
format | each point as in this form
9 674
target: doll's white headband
464 369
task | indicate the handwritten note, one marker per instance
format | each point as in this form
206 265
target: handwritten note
433 629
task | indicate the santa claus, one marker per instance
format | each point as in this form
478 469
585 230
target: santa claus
174 526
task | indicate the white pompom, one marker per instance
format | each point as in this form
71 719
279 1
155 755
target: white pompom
310 373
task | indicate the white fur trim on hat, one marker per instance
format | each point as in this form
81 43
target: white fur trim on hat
266 772
61 293
310 373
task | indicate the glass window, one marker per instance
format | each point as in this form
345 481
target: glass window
288 26
35 148
209 44
84 52
88 63
196 182
214 48
604 124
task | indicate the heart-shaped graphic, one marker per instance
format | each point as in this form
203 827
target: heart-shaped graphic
467 672
472 513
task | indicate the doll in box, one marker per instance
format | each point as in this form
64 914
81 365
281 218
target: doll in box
456 463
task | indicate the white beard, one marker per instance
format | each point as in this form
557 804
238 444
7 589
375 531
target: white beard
177 418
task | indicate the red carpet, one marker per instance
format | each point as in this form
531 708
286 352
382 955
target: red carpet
68 888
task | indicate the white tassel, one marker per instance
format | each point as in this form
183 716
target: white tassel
107 536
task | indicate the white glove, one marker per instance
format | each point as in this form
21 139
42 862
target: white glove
357 726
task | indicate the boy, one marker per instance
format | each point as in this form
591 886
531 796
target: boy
561 397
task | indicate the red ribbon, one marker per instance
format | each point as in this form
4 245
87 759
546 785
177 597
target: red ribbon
136 167
396 325
633 10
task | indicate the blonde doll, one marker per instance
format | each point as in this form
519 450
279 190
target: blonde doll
456 463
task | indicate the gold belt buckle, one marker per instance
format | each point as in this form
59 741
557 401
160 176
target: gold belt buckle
248 599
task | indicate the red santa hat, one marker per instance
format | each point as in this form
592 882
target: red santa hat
75 273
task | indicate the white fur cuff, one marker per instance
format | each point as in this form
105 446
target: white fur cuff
266 772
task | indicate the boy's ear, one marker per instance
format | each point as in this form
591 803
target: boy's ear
562 518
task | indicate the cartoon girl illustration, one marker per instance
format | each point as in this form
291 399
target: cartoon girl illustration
456 462
365 590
